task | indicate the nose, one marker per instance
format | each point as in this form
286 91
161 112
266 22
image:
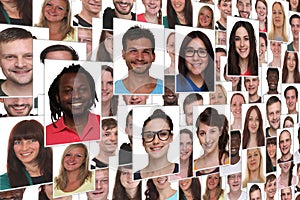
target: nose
24 145
104 86
99 184
242 42
140 55
155 139
20 62
113 137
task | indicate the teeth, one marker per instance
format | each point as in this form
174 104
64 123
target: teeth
25 154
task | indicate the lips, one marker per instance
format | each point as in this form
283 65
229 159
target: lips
156 149
162 180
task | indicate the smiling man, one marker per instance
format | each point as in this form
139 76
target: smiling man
285 143
273 115
251 85
17 106
16 62
90 9
272 79
101 185
291 99
122 10
71 95
270 187
295 28
234 182
138 53
244 8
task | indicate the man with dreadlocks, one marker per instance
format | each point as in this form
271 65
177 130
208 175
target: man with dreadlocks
71 96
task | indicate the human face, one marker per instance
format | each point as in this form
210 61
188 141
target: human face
49 191
218 54
291 62
109 141
261 11
171 47
59 55
188 111
170 97
276 49
126 179
244 8
106 86
273 115
217 97
74 159
271 150
225 8
288 124
74 94
285 142
152 6
270 189
27 150
17 106
294 5
135 99
236 106
186 146
295 27
161 182
213 181
285 167
128 128
262 48
209 137
123 7
195 64
205 18
286 194
85 36
178 5
255 195
16 61
101 192
139 55
55 10
157 148
272 79
251 85
93 7
185 184
253 123
277 15
108 43
235 145
221 38
291 100
253 159
234 182
242 42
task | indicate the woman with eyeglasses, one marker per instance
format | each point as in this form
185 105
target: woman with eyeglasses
242 55
195 64
157 134
212 132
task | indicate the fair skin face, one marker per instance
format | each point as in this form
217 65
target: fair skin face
74 159
208 137
213 181
85 36
291 101
218 54
295 27
152 7
161 182
108 43
244 8
101 186
218 97
221 38
16 64
291 62
59 55
270 189
123 8
255 195
273 115
242 43
285 143
271 150
253 124
185 184
135 99
178 5
277 16
276 49
188 111
225 10
106 86
27 150
186 146
261 11
126 179
262 48
288 124
253 159
236 106
92 7
55 11
17 106
294 5
286 194
251 85
205 18
285 167
109 141
234 182
171 47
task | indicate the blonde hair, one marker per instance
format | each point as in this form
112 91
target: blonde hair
211 25
62 180
261 170
65 27
284 28
220 191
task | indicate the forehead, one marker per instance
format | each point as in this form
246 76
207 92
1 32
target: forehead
140 43
274 106
84 32
252 151
57 2
101 174
26 43
196 42
59 55
284 135
295 21
290 92
76 150
156 124
74 78
276 6
244 1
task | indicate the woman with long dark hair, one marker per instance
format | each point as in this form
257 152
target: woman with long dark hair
160 188
190 189
290 69
271 155
105 50
16 12
186 153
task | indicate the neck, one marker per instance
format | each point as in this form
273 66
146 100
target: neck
73 175
87 16
254 175
33 169
104 156
151 17
105 108
166 193
128 16
156 164
278 31
286 157
234 195
292 112
237 123
77 123
184 167
197 79
296 44
132 192
253 97
12 89
243 64
11 9
213 193
272 131
235 159
223 21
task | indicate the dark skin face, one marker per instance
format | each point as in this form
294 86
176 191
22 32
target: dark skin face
272 79
235 146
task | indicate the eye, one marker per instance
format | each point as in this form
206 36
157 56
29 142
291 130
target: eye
17 142
32 140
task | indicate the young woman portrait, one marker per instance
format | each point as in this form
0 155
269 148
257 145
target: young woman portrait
253 133
56 15
286 177
242 54
218 97
179 12
275 47
254 167
212 133
290 68
105 50
186 156
263 43
190 189
205 18
160 188
236 102
74 175
213 190
195 64
261 8
157 135
125 188
288 122
36 168
16 12
271 155
278 27
152 13
170 48
294 5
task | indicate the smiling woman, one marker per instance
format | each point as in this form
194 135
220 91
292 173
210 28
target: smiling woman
278 29
213 188
152 12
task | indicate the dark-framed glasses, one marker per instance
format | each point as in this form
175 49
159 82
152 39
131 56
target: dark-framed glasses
190 52
163 135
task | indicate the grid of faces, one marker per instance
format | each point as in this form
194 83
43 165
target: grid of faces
149 99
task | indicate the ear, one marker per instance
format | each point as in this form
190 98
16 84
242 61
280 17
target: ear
154 56
123 54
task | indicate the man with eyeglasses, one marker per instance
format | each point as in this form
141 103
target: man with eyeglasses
235 192
101 185
138 53
244 8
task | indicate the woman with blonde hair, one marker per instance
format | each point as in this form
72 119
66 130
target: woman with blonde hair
254 170
56 15
205 18
74 175
213 190
278 29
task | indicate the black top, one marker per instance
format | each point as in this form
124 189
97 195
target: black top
98 164
108 16
1 91
125 154
79 21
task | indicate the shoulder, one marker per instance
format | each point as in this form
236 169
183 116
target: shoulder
176 168
158 88
4 182
137 175
120 88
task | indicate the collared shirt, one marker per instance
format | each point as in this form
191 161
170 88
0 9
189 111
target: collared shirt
63 134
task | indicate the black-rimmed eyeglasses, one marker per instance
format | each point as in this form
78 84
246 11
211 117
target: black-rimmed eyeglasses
190 52
163 135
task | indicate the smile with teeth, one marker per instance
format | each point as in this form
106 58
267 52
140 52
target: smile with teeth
26 154
154 149
19 106
162 180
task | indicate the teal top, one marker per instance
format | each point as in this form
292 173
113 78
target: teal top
166 23
5 184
